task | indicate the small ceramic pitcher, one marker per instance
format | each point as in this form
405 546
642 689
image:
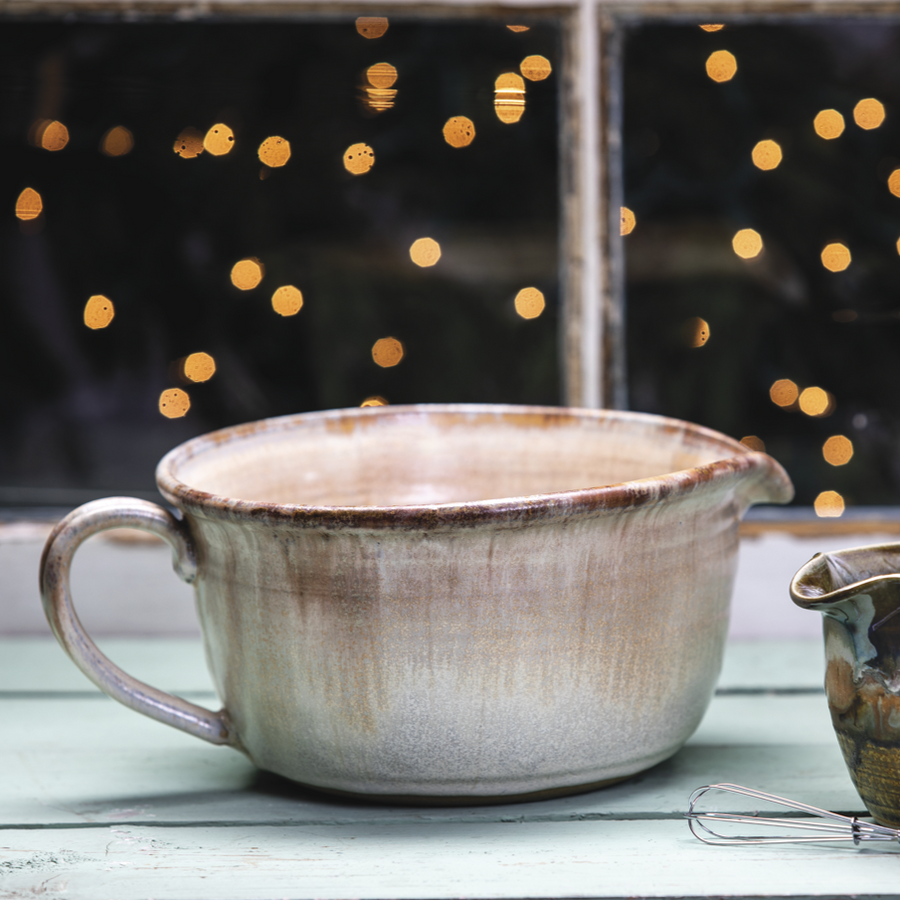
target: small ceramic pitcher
858 592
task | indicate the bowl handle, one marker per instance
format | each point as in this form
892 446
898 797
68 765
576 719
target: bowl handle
80 524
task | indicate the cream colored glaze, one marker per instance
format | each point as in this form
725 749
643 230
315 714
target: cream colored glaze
485 650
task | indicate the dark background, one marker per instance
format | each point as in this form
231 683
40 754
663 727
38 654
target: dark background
692 185
158 234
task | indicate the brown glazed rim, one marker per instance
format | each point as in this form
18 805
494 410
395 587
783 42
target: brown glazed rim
508 511
805 589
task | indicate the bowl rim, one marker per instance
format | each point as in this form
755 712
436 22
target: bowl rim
737 463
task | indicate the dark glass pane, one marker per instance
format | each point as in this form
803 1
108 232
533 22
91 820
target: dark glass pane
158 233
782 315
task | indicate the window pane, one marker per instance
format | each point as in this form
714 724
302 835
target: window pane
763 268
160 156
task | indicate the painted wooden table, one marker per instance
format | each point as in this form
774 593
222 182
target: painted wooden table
99 803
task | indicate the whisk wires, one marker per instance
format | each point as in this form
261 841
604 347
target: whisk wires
818 825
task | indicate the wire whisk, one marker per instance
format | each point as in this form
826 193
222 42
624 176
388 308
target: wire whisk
820 824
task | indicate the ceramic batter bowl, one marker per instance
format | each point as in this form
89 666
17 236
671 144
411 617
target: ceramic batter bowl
444 603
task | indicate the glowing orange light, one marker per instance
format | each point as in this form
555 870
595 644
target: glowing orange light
509 97
535 68
287 300
766 155
894 183
518 29
784 392
54 136
712 27
627 220
459 131
381 75
425 252
174 403
829 124
838 450
374 401
188 144
371 27
868 113
247 273
359 159
118 141
836 257
721 66
378 93
274 152
752 442
199 367
829 504
29 205
747 243
530 303
219 140
696 332
98 312
814 402
387 352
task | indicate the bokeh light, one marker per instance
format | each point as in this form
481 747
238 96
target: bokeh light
118 141
188 144
459 131
387 352
721 66
53 136
379 95
535 68
359 159
518 29
199 367
530 303
381 75
174 403
784 392
29 205
371 27
374 400
712 27
766 155
695 331
894 183
747 243
425 252
815 402
627 220
274 151
838 450
509 97
868 113
219 140
829 505
836 257
752 442
287 300
98 312
829 124
247 273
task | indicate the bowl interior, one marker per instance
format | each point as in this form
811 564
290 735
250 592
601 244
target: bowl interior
406 456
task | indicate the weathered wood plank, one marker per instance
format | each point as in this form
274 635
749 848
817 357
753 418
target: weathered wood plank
416 860
86 762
